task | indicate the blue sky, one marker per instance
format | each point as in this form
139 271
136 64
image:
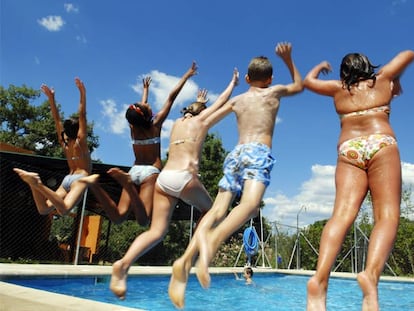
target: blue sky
111 45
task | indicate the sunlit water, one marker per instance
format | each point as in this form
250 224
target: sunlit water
270 292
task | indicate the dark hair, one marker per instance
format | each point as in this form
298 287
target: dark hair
138 115
356 67
194 108
71 128
249 271
260 68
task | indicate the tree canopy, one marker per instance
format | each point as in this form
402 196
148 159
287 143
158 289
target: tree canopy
31 127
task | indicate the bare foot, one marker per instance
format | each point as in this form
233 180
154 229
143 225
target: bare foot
120 176
316 300
178 282
32 179
370 292
118 280
90 180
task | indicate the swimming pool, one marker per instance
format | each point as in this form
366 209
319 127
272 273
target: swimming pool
272 291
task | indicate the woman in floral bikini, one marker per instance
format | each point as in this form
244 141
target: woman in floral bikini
368 159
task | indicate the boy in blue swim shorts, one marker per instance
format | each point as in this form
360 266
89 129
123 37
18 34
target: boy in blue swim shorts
246 169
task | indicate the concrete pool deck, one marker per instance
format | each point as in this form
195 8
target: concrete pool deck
20 298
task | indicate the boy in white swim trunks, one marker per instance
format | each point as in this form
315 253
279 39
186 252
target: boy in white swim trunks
247 168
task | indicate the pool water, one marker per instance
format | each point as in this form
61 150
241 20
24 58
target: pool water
271 292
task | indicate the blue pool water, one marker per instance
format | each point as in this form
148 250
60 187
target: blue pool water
271 292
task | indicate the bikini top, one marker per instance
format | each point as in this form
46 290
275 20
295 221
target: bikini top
148 141
385 108
182 141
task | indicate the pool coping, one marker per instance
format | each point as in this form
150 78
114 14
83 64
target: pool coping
20 298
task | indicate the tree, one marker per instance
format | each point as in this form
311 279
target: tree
403 253
31 127
211 167
402 257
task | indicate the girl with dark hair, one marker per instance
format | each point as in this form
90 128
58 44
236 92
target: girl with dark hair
138 184
368 160
72 135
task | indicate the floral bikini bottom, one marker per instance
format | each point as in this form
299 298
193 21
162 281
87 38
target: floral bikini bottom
360 150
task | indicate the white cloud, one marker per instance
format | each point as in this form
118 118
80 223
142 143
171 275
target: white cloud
166 128
317 195
70 8
116 117
162 84
52 23
408 173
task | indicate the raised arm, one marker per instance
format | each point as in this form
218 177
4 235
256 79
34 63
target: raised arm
83 130
146 83
50 93
395 68
225 95
284 51
222 106
322 87
165 110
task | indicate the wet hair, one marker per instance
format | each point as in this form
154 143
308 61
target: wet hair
70 128
194 108
356 67
138 115
249 271
260 69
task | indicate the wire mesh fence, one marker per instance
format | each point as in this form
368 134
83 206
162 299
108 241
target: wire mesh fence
89 238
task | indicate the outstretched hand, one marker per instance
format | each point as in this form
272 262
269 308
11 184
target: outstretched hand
50 93
193 69
284 50
325 67
236 76
202 96
146 82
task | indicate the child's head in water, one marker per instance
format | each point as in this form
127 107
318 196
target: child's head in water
139 114
248 274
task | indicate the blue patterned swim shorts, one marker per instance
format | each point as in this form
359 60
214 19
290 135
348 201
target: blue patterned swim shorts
246 161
